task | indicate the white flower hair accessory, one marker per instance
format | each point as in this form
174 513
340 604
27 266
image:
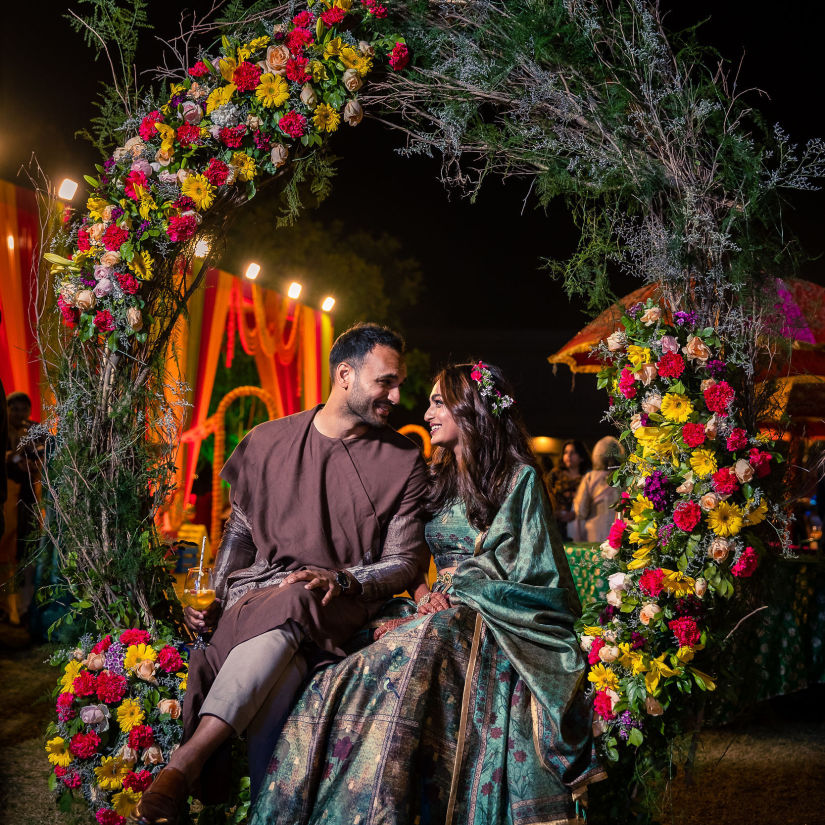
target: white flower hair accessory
481 374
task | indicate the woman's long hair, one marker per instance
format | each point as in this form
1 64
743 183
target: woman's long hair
490 447
584 457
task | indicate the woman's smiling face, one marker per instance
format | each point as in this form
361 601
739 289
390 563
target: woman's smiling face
443 429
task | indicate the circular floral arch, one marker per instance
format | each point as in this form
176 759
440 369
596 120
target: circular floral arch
667 176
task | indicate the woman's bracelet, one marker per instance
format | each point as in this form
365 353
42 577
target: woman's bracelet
424 599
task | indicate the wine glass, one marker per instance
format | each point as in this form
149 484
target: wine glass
198 593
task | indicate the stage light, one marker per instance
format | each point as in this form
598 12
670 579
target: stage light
328 304
294 290
67 189
202 249
252 271
10 242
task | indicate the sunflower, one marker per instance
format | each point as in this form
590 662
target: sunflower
603 678
200 190
111 772
677 583
363 65
318 71
71 672
703 463
129 715
326 119
757 515
676 407
245 165
58 751
136 654
125 802
143 265
725 519
272 90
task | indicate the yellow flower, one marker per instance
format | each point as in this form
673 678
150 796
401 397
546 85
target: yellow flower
227 66
676 407
58 751
631 659
125 802
603 678
71 672
677 584
710 684
640 558
703 463
333 47
640 504
96 207
219 97
147 203
200 190
129 715
137 653
326 119
259 42
245 165
725 519
346 5
658 668
243 53
592 630
685 654
757 515
167 137
318 71
638 356
349 57
111 772
143 265
272 90
363 65
184 679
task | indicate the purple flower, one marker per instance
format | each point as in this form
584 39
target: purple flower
116 213
636 640
716 368
657 489
685 318
109 164
635 310
114 658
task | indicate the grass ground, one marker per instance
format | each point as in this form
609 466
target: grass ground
767 769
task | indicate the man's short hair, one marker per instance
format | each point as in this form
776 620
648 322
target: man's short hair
358 341
17 397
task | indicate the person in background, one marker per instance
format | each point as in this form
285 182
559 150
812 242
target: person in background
563 482
595 497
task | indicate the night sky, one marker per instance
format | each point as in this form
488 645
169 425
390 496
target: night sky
485 294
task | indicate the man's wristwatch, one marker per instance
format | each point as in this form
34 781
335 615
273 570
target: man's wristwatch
343 581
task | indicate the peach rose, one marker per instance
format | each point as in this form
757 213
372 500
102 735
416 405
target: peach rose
127 755
152 755
77 655
700 586
145 670
649 612
170 706
163 157
652 403
108 210
353 113
308 96
669 344
135 146
96 661
366 49
616 341
585 643
196 91
134 319
609 653
696 349
279 155
719 549
110 258
609 635
653 706
686 487
707 384
651 316
253 121
84 300
646 374
614 598
708 501
636 422
352 80
608 552
712 427
276 59
743 470
96 231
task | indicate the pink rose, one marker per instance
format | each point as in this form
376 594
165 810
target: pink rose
142 165
617 581
103 288
192 112
669 344
96 661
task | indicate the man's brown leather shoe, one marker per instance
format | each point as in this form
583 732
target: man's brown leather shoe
162 801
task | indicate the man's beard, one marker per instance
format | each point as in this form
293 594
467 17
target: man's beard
363 408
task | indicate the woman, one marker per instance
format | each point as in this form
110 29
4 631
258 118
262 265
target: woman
473 710
563 482
595 497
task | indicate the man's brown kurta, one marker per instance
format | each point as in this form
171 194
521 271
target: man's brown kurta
314 501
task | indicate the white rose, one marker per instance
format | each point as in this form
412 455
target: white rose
617 581
585 643
608 653
614 598
608 552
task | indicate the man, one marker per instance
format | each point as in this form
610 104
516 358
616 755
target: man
326 524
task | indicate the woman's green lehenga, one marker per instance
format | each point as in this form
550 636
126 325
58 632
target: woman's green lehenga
474 714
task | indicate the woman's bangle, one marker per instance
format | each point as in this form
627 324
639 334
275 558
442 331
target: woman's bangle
424 599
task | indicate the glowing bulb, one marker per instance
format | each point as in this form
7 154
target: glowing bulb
294 290
329 303
10 242
252 271
202 249
67 189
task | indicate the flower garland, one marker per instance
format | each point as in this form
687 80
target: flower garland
236 118
693 492
118 706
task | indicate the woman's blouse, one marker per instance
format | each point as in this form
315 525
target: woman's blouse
450 536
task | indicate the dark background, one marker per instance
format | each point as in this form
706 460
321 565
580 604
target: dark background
485 293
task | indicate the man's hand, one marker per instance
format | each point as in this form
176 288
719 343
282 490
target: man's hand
316 577
436 602
201 621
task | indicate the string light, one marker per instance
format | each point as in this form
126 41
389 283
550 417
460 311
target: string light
294 290
328 304
10 242
67 189
252 271
202 249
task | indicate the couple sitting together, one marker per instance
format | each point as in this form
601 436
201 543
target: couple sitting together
465 705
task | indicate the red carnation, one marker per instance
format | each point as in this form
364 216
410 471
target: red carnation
217 172
106 642
232 136
374 8
60 771
104 321
627 383
737 440
297 39
184 203
685 631
671 365
760 461
147 125
693 434
293 124
69 314
128 283
135 636
593 653
200 69
114 237
137 781
687 515
725 481
332 17
141 737
303 20
247 76
65 711
651 581
614 538
132 182
111 687
72 780
603 706
169 659
182 227
84 684
106 816
83 244
399 57
84 745
719 396
746 564
188 135
296 70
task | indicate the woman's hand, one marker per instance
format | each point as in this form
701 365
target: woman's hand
391 624
436 602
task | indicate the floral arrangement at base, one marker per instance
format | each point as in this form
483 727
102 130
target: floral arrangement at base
686 529
118 704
